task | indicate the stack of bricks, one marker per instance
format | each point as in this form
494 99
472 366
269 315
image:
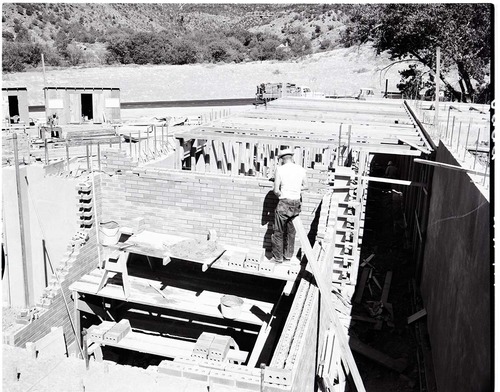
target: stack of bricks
212 347
240 209
96 332
117 332
84 197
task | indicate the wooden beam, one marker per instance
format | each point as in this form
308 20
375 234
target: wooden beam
325 291
451 167
399 365
387 286
414 145
414 317
361 285
393 181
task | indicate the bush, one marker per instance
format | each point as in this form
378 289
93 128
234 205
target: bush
16 56
8 36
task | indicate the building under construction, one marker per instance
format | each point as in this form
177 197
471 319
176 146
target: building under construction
147 263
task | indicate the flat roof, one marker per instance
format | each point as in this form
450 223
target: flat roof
80 88
14 88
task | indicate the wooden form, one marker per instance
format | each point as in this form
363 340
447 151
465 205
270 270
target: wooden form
325 290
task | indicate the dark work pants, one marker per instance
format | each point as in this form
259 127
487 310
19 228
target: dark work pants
283 238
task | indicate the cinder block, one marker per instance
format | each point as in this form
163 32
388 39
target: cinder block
219 348
196 373
222 378
251 383
266 266
171 368
202 347
278 376
251 264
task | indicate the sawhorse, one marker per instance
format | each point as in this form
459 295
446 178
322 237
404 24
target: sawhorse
117 262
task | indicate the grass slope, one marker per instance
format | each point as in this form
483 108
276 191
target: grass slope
340 71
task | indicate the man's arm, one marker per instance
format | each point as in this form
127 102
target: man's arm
277 183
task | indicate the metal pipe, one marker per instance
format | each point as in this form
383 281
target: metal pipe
99 156
486 169
45 263
21 222
459 132
448 121
340 140
154 130
477 146
452 131
467 139
46 150
139 147
67 153
88 162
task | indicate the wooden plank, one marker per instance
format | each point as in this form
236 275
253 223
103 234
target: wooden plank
361 285
414 145
190 301
393 181
451 167
399 365
166 347
387 286
414 317
347 357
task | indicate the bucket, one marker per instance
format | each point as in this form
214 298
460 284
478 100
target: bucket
230 306
109 233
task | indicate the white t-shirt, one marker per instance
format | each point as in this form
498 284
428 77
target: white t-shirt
290 176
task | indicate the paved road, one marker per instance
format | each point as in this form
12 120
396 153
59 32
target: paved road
173 104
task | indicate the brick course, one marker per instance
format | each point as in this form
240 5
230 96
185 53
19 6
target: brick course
240 209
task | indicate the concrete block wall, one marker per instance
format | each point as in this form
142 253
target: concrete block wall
240 209
8 148
456 281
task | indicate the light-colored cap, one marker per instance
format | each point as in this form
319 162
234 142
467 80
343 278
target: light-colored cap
286 151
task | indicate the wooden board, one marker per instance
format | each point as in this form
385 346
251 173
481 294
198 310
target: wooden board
205 303
377 356
166 347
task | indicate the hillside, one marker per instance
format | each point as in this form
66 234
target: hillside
98 33
44 20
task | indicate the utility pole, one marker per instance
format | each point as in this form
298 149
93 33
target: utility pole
21 223
44 76
438 74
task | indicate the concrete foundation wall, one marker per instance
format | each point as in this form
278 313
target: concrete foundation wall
53 201
240 209
455 285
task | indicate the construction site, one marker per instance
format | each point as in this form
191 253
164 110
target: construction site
137 255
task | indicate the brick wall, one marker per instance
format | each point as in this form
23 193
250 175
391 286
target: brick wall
240 209
113 159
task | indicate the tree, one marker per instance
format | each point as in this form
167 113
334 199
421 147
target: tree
414 31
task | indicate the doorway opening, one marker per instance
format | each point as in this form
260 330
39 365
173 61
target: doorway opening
13 107
87 107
